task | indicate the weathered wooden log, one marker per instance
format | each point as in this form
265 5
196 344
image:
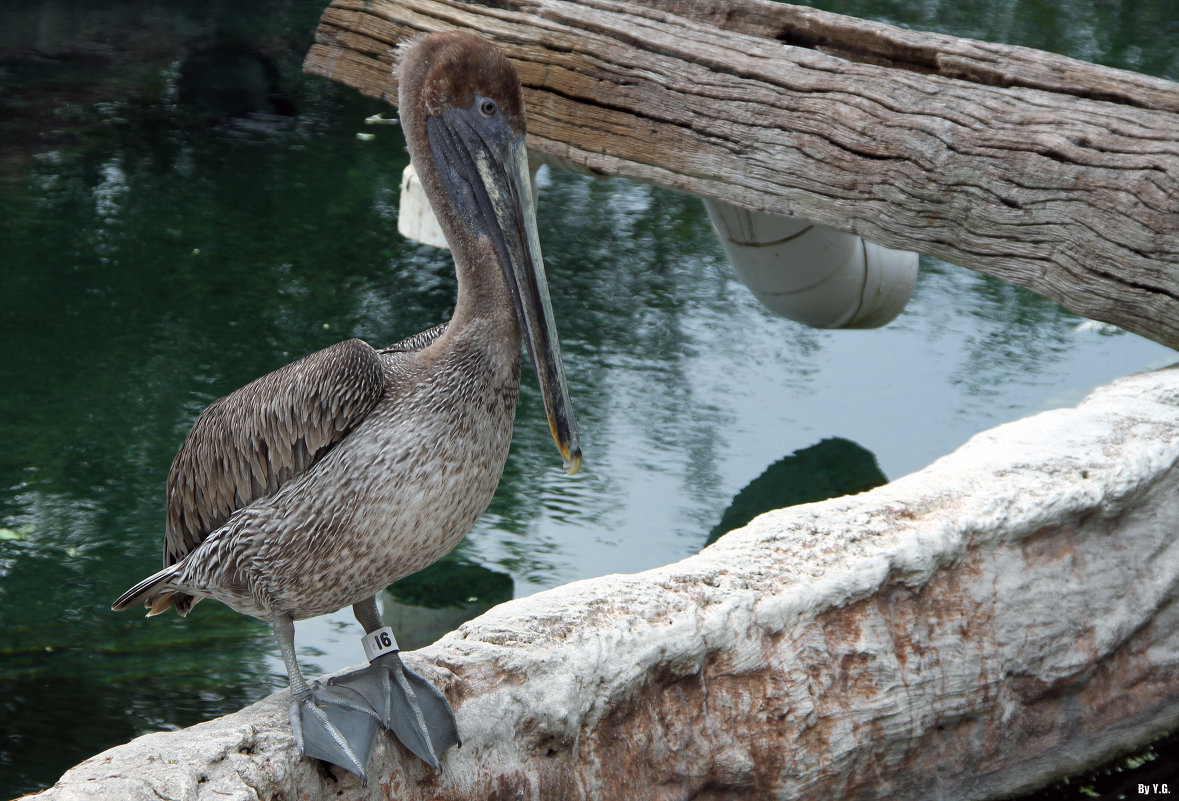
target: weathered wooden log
984 625
1054 174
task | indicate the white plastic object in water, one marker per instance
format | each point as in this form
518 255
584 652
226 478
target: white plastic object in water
811 273
415 218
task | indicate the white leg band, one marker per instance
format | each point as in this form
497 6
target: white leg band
379 642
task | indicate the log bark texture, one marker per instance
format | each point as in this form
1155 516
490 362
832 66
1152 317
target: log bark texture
972 630
1047 172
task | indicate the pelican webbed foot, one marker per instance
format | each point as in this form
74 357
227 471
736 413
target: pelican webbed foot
332 726
405 704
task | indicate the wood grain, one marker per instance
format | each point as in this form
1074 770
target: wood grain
1059 176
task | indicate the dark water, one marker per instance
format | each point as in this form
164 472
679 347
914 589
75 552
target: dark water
182 211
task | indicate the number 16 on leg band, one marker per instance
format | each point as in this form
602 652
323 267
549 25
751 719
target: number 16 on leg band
379 642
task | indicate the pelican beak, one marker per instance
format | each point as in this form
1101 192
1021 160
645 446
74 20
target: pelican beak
484 165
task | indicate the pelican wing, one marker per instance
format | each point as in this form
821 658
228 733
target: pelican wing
417 341
247 444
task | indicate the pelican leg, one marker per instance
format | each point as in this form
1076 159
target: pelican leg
403 701
341 732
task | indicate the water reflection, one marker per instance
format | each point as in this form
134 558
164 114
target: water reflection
1137 35
153 262
425 605
831 468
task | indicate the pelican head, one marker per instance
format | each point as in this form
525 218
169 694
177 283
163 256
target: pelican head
462 110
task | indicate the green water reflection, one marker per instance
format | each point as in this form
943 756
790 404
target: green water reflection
831 469
154 257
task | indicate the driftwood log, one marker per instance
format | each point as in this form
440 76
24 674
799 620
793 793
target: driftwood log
969 631
1047 172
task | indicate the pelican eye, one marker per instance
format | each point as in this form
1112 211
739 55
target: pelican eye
487 107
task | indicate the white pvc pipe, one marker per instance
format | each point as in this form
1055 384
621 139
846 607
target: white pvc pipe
415 218
813 274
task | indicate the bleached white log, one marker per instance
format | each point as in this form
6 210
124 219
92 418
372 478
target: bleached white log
984 625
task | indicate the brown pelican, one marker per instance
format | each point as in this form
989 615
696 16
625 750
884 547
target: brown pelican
318 485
